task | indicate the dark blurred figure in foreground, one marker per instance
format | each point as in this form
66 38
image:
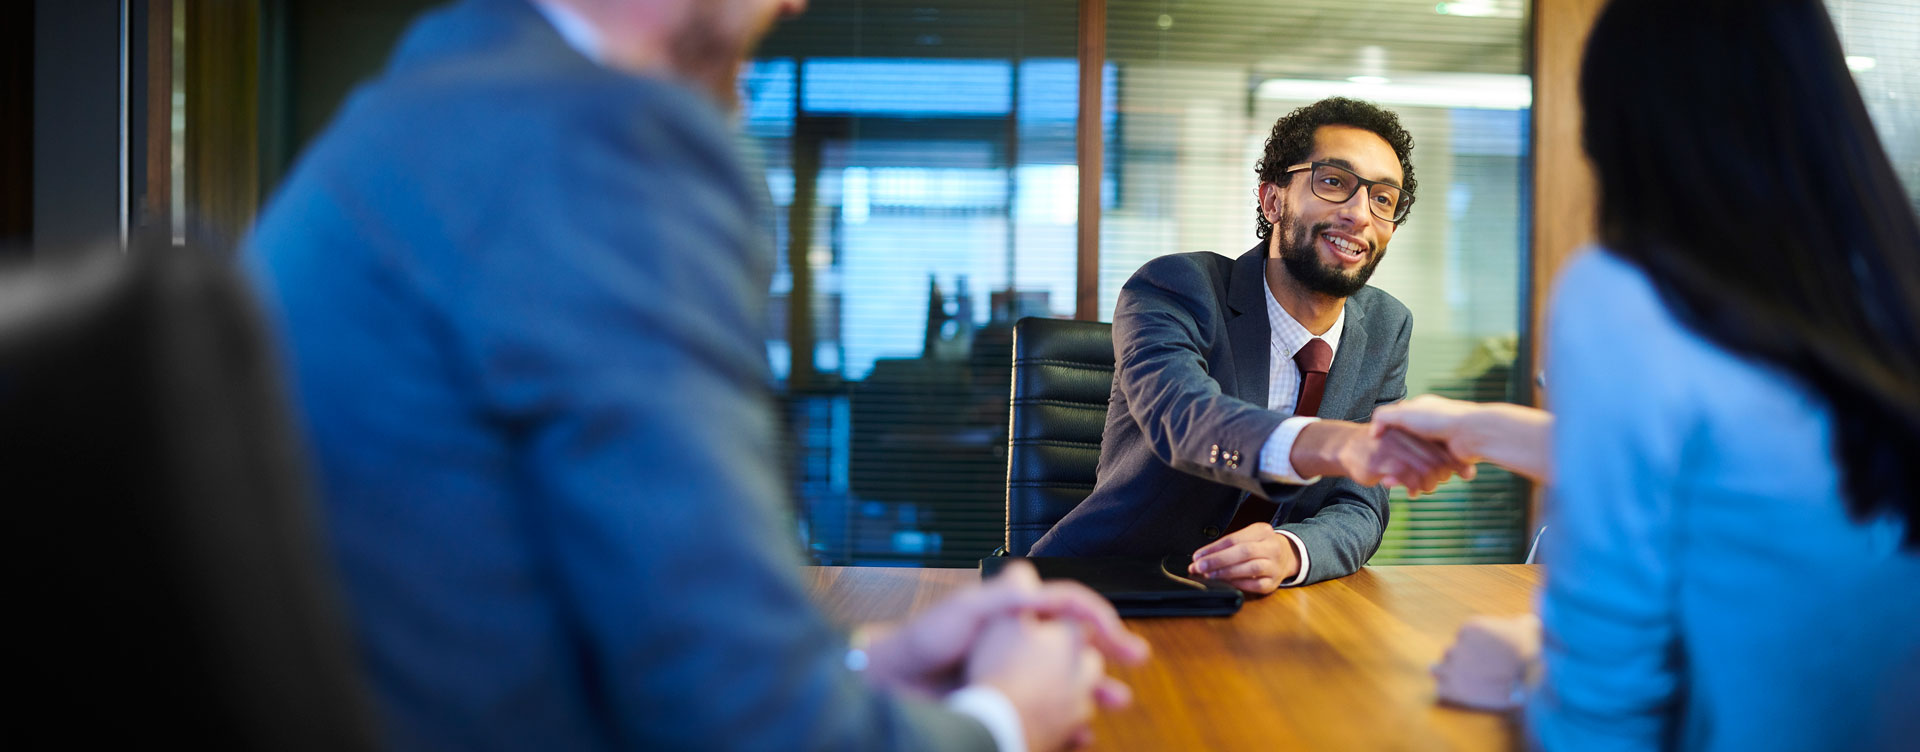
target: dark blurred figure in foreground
164 580
1731 559
521 281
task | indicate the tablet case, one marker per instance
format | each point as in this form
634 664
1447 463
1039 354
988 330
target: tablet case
1136 585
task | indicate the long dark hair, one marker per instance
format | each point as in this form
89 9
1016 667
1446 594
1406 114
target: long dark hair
1739 170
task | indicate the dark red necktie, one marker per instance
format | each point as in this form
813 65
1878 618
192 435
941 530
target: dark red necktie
1314 360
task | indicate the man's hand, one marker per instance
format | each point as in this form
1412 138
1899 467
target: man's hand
1049 674
926 654
1488 664
1254 559
1335 447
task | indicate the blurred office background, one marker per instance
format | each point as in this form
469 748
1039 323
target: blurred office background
936 181
923 158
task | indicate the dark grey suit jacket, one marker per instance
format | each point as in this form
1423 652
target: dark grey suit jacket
1190 343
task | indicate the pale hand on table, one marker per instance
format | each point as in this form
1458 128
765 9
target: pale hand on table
1488 665
925 653
1049 673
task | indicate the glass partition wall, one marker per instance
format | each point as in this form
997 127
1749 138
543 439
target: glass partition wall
924 152
1881 39
1201 83
920 157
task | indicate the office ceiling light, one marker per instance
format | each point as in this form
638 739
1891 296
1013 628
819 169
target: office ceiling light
1479 9
1370 80
1861 62
1474 91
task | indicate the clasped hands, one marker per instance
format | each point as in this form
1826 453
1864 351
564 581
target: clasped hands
1042 645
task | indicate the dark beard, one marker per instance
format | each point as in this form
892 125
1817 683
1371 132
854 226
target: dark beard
1303 262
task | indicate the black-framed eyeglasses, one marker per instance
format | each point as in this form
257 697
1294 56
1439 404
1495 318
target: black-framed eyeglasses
1331 182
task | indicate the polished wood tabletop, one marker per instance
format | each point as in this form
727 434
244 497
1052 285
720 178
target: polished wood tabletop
1338 665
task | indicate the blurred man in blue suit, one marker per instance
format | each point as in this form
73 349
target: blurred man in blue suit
522 282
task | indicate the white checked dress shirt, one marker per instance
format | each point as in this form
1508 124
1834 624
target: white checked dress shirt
1283 393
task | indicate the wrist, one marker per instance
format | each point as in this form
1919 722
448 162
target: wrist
1032 729
989 705
873 653
1473 435
1316 451
1294 559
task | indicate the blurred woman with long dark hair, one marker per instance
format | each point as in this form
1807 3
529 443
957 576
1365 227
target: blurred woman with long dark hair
1731 555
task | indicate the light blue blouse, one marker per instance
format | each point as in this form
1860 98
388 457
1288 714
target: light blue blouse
1706 588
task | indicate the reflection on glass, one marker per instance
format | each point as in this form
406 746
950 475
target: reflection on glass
178 129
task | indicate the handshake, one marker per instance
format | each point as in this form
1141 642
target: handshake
1418 444
1415 444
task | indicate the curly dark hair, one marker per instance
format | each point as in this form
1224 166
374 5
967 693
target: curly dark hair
1292 140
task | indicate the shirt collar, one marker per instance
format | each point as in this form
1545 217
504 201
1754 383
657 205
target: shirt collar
1289 333
573 27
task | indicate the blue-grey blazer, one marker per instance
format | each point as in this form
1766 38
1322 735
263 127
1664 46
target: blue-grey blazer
1188 417
523 300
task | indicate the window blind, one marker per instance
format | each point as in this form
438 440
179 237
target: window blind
924 154
1881 39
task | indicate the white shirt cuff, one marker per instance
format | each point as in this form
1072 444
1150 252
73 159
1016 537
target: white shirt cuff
1276 462
1299 547
994 711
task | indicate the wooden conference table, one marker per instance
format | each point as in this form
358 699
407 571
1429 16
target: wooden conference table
1334 666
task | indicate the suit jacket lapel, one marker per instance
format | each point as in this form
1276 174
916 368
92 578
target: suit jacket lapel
1348 362
1247 326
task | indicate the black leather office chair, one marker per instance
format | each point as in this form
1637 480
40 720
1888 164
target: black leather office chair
167 583
1062 381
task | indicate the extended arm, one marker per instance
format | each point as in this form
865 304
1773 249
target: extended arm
1515 437
1345 533
1352 512
1163 329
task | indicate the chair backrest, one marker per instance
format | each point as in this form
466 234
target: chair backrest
1062 381
168 582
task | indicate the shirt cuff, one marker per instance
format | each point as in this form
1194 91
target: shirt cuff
1299 547
992 709
1276 463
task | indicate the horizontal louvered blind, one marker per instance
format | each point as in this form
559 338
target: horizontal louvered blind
929 150
1881 39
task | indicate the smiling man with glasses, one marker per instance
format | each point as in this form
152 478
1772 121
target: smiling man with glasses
1234 434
